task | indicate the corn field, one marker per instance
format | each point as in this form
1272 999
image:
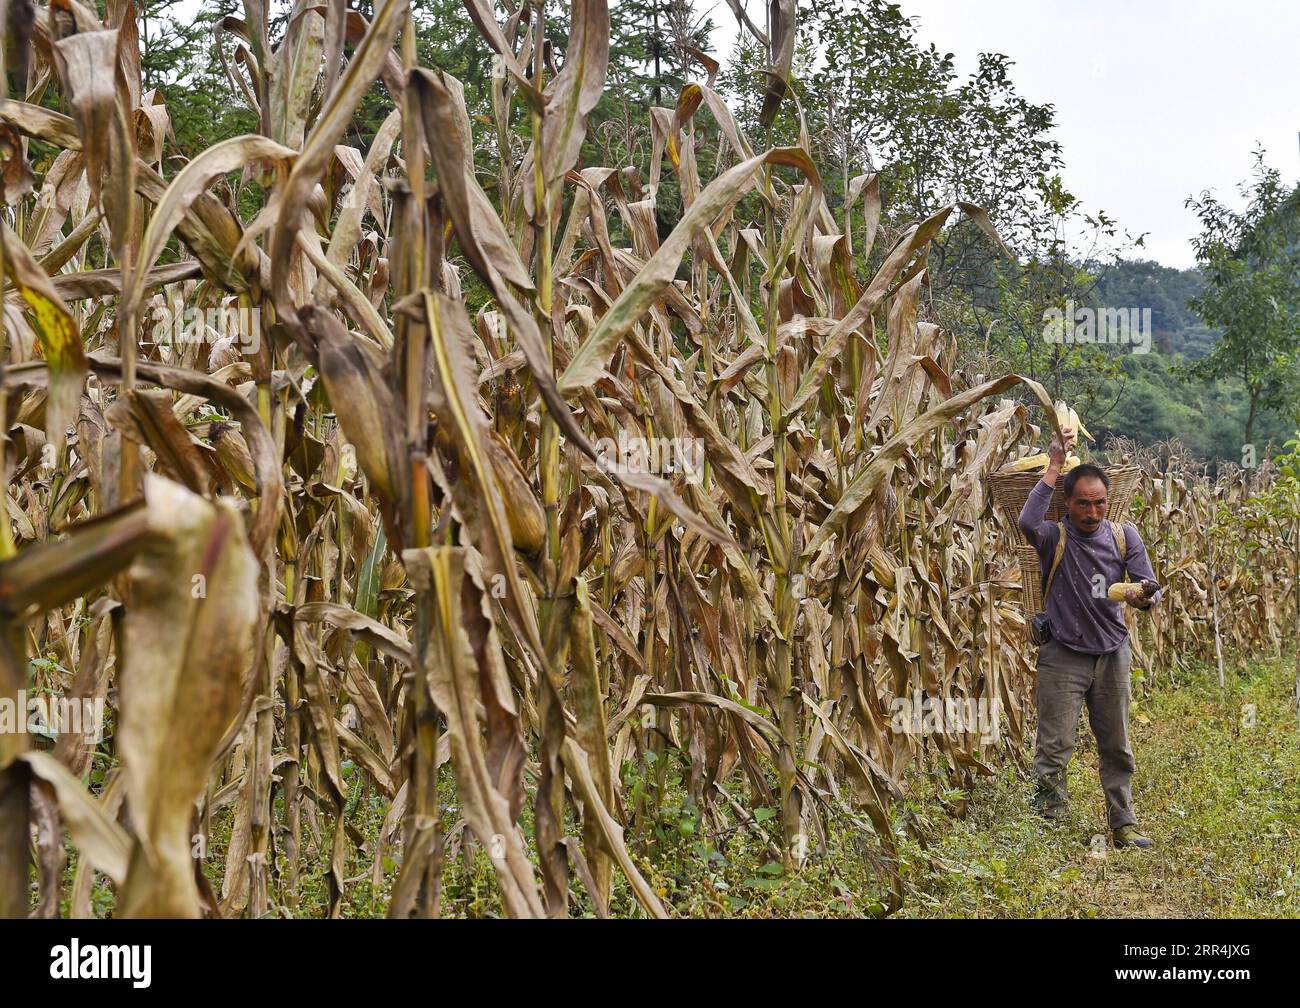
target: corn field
383 546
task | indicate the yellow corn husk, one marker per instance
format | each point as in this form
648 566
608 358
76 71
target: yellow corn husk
1070 462
233 454
1067 418
524 513
1027 464
1062 413
1079 429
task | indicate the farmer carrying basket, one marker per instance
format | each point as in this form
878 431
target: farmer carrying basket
1085 555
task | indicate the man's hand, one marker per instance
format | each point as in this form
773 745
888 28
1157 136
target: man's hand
1056 456
1134 596
1137 598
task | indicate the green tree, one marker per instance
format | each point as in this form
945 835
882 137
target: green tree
179 57
879 100
874 99
1251 262
651 43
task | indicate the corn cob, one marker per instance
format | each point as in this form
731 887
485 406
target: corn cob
1062 413
1032 463
1027 464
233 453
1118 592
1067 420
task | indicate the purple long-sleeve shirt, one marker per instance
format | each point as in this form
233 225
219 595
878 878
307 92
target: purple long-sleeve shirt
1080 619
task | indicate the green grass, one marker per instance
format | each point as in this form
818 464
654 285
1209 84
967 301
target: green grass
1218 796
1217 793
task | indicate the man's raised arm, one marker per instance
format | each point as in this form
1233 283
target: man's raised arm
1033 516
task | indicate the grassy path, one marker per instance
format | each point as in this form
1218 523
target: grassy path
1217 788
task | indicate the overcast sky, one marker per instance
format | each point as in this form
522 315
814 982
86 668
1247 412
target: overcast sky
1155 100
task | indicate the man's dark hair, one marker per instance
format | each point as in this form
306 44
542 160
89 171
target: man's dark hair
1079 472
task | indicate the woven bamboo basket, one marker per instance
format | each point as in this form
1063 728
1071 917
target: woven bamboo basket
1011 490
1031 579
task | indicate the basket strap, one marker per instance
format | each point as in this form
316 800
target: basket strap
1117 528
1056 562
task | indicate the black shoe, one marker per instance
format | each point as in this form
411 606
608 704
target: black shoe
1128 836
1049 802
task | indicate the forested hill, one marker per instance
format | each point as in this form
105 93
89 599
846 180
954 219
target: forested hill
1142 283
1148 401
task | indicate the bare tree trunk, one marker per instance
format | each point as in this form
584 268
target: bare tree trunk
655 44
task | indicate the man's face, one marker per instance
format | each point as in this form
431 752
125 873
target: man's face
1087 507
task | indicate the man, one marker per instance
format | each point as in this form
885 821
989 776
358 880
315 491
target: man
1089 654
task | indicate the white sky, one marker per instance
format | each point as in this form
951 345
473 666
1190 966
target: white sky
1156 100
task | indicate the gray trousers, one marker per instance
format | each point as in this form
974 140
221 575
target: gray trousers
1066 680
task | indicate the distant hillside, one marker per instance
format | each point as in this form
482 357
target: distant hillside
1142 283
1150 403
